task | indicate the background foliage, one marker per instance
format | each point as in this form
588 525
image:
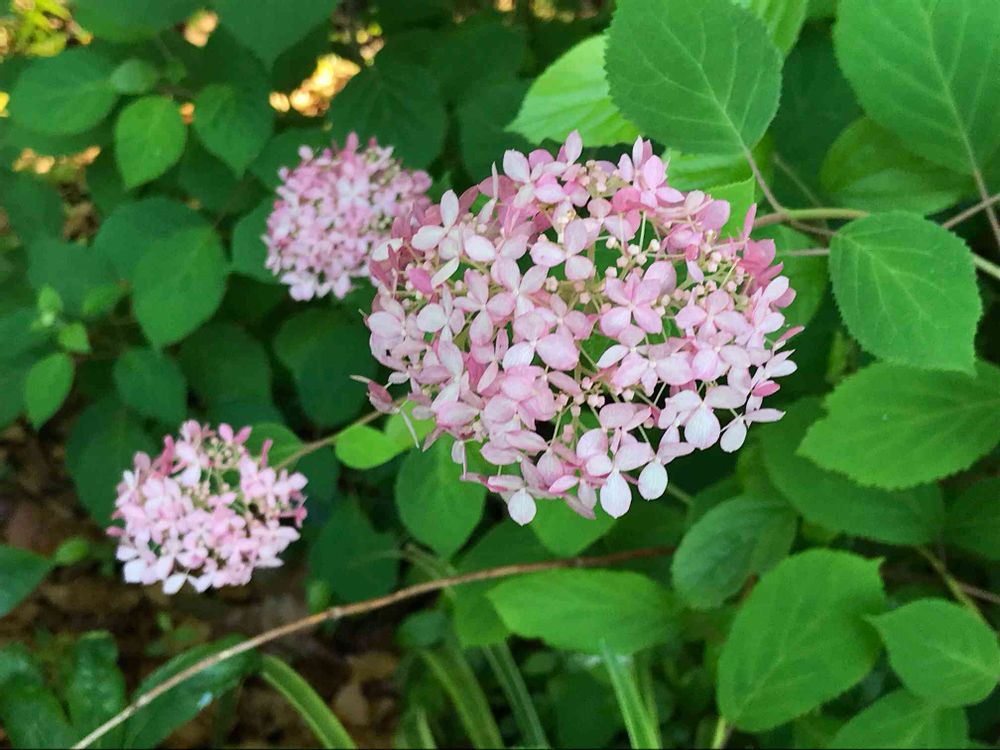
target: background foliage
830 587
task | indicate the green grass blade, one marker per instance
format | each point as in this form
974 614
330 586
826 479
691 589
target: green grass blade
450 668
505 668
313 709
642 731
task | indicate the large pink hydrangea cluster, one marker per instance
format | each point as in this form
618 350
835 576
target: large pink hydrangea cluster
332 210
583 323
205 511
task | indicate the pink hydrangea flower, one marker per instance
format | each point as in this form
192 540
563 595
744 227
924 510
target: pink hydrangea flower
332 209
584 324
205 511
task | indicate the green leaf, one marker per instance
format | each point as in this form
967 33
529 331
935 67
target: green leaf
212 183
233 123
740 196
47 386
973 520
100 448
130 20
363 447
283 151
34 208
21 572
867 168
351 557
565 532
833 501
70 269
453 672
906 288
929 72
13 373
580 610
94 687
134 76
941 651
782 18
72 337
126 235
151 383
808 274
225 363
149 139
901 720
702 77
804 618
313 709
284 442
484 135
29 712
179 283
67 93
488 51
398 104
735 539
434 503
643 731
893 427
573 94
249 250
152 724
267 27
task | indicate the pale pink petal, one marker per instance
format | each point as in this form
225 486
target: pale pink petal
521 505
653 481
616 497
559 351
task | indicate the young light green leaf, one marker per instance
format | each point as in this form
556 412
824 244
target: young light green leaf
833 501
565 532
63 94
805 617
702 77
94 687
572 94
234 123
267 28
867 168
941 651
179 283
733 540
782 18
907 290
929 72
149 139
363 447
434 503
20 573
47 386
152 384
134 76
902 720
581 609
396 103
893 427
973 521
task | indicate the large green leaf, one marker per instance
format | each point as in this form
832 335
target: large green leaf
29 711
152 384
132 228
130 20
179 283
902 720
234 123
47 386
573 94
94 687
833 501
581 609
20 573
702 77
735 539
805 618
907 290
269 27
941 651
893 427
928 71
73 270
483 126
867 168
67 93
225 363
364 447
973 521
565 532
398 104
248 248
488 51
34 208
435 504
353 559
782 18
149 139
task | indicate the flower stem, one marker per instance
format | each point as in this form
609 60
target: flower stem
953 585
721 735
806 214
362 607
992 269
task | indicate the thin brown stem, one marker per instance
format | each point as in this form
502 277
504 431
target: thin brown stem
971 211
953 586
991 213
805 214
369 605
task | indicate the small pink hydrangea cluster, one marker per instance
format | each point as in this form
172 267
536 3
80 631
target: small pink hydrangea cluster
584 323
332 210
205 511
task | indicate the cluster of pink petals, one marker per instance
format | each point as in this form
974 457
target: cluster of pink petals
205 511
583 324
332 210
